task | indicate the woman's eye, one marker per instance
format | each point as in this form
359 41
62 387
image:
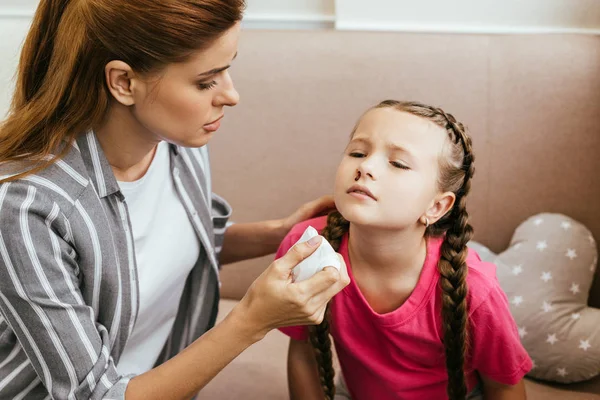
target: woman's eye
399 165
207 86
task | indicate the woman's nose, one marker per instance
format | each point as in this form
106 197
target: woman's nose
228 95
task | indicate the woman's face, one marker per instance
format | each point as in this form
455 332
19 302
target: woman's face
184 103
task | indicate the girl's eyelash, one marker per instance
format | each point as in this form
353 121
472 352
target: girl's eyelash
207 86
395 164
399 165
357 155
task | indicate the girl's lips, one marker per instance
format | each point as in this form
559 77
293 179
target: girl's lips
361 192
361 196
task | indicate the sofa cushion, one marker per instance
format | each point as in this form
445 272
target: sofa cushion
547 273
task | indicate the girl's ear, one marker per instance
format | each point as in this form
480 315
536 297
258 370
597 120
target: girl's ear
442 204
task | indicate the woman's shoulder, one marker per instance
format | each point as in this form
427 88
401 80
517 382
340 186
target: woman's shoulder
61 183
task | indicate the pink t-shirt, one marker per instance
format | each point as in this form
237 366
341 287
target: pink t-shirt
400 355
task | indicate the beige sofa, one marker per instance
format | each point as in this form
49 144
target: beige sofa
532 104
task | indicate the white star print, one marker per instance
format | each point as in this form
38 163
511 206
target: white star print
517 246
574 288
541 246
565 225
538 222
571 253
584 345
517 300
562 372
517 269
522 332
575 316
546 276
547 307
551 339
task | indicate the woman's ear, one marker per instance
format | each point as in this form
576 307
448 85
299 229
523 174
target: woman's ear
120 81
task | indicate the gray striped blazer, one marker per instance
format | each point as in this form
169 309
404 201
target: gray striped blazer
68 281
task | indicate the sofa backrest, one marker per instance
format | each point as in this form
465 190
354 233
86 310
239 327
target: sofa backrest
531 102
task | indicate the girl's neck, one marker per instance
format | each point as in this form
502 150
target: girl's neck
128 146
387 252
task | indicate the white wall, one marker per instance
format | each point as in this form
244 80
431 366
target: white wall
20 6
290 14
12 34
484 16
288 9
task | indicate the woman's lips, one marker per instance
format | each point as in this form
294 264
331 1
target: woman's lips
213 126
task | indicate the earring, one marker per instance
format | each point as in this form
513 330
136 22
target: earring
357 177
426 222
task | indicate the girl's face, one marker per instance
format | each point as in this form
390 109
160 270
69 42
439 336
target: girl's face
185 102
388 175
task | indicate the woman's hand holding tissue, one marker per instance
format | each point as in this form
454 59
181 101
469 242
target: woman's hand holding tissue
274 300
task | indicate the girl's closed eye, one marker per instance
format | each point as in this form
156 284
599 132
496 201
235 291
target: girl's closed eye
399 165
207 85
356 154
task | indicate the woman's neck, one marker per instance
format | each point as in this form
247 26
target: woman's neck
128 147
388 252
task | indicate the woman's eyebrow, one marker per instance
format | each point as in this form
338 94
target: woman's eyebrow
217 70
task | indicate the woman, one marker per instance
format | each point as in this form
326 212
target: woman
110 236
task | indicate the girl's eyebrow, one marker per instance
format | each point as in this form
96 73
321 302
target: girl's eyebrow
391 146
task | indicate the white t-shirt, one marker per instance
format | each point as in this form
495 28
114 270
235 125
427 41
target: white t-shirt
166 249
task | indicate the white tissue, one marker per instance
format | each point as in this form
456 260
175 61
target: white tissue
323 257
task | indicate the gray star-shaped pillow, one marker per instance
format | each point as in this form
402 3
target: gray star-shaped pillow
547 273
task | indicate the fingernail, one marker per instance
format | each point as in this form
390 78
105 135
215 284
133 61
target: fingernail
314 241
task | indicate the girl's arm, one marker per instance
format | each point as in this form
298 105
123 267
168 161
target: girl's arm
303 375
493 390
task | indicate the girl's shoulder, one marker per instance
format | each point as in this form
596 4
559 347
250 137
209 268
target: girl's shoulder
481 279
296 233
318 223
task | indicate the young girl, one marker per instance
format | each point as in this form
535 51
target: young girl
423 316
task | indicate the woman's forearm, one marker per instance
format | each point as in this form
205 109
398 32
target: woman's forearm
183 376
251 240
